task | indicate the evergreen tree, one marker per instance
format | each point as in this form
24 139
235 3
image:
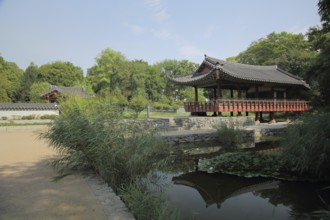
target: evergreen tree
319 71
30 76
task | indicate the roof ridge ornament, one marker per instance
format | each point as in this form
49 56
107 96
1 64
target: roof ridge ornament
218 65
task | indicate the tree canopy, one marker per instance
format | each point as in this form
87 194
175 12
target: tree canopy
10 81
115 75
29 77
319 72
290 52
61 74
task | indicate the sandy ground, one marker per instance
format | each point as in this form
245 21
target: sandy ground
28 192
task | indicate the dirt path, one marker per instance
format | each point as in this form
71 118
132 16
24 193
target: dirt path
28 192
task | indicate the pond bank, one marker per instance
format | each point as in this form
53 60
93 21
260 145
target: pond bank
256 132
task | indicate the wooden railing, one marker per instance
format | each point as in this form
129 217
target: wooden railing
247 105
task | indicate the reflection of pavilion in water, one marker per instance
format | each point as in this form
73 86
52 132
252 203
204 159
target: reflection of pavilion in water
217 188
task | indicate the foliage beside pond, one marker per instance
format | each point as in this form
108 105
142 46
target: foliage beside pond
92 134
146 203
307 146
305 154
228 136
248 164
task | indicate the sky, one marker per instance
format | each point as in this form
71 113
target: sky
44 31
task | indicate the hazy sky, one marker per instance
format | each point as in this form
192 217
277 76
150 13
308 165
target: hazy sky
43 31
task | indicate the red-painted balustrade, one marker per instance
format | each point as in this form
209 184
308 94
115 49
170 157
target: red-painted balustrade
247 105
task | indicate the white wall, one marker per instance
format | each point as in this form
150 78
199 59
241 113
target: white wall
16 115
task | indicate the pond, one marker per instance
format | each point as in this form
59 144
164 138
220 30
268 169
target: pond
201 195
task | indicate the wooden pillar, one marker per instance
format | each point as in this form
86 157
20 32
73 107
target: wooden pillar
196 93
257 92
219 93
215 101
257 117
194 112
215 93
246 96
272 114
272 117
286 117
239 96
231 96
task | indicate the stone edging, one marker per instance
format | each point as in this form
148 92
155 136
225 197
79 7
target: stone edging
112 205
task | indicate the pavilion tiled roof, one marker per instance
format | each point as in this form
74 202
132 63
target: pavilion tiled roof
238 72
27 106
77 91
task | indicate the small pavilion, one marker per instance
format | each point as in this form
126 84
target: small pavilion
56 93
258 89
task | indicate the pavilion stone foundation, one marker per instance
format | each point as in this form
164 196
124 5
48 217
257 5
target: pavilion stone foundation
197 137
259 133
252 134
206 123
177 130
194 123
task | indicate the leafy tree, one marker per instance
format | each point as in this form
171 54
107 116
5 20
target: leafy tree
4 85
10 76
37 89
61 74
137 77
324 12
154 83
173 67
319 71
290 52
138 103
110 73
29 77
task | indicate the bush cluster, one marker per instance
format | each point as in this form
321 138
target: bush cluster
228 136
306 146
91 134
305 153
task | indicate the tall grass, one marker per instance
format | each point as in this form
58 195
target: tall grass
307 146
228 136
146 203
92 134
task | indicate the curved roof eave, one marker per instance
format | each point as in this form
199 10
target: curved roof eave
237 71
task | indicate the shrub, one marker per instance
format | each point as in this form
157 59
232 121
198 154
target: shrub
161 106
228 137
307 146
146 203
138 104
248 164
4 118
51 117
28 117
91 133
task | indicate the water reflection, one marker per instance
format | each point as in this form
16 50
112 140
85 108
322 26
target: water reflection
200 195
217 188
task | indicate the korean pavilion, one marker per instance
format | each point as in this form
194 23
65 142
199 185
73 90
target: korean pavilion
258 89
